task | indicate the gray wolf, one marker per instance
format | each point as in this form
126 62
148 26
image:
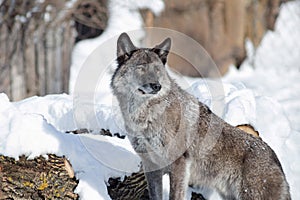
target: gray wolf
174 133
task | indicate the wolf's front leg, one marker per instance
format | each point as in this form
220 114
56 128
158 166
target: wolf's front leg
179 177
154 180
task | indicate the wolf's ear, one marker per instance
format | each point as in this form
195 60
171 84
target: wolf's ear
124 47
162 50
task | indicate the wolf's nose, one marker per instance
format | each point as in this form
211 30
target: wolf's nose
150 88
156 87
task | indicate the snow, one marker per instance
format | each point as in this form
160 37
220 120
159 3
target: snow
265 93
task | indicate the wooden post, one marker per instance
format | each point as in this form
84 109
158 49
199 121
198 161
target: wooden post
149 18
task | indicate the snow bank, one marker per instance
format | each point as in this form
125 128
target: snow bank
30 127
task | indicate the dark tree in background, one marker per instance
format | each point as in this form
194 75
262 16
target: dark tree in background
90 18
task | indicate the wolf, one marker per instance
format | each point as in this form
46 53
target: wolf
174 133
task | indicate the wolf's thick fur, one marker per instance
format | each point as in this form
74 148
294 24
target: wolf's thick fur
174 133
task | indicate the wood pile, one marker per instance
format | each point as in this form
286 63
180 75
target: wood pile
39 178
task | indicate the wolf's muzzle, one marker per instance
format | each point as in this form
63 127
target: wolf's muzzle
150 88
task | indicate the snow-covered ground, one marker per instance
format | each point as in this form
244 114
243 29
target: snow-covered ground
265 92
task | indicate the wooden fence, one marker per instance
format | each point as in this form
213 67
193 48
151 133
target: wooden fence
35 48
36 42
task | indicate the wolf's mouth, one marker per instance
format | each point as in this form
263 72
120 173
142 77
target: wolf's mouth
150 88
141 91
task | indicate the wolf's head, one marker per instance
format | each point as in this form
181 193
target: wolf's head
141 71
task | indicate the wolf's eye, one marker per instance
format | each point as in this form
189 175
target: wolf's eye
157 70
140 69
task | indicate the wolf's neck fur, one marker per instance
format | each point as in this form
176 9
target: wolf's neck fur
149 124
